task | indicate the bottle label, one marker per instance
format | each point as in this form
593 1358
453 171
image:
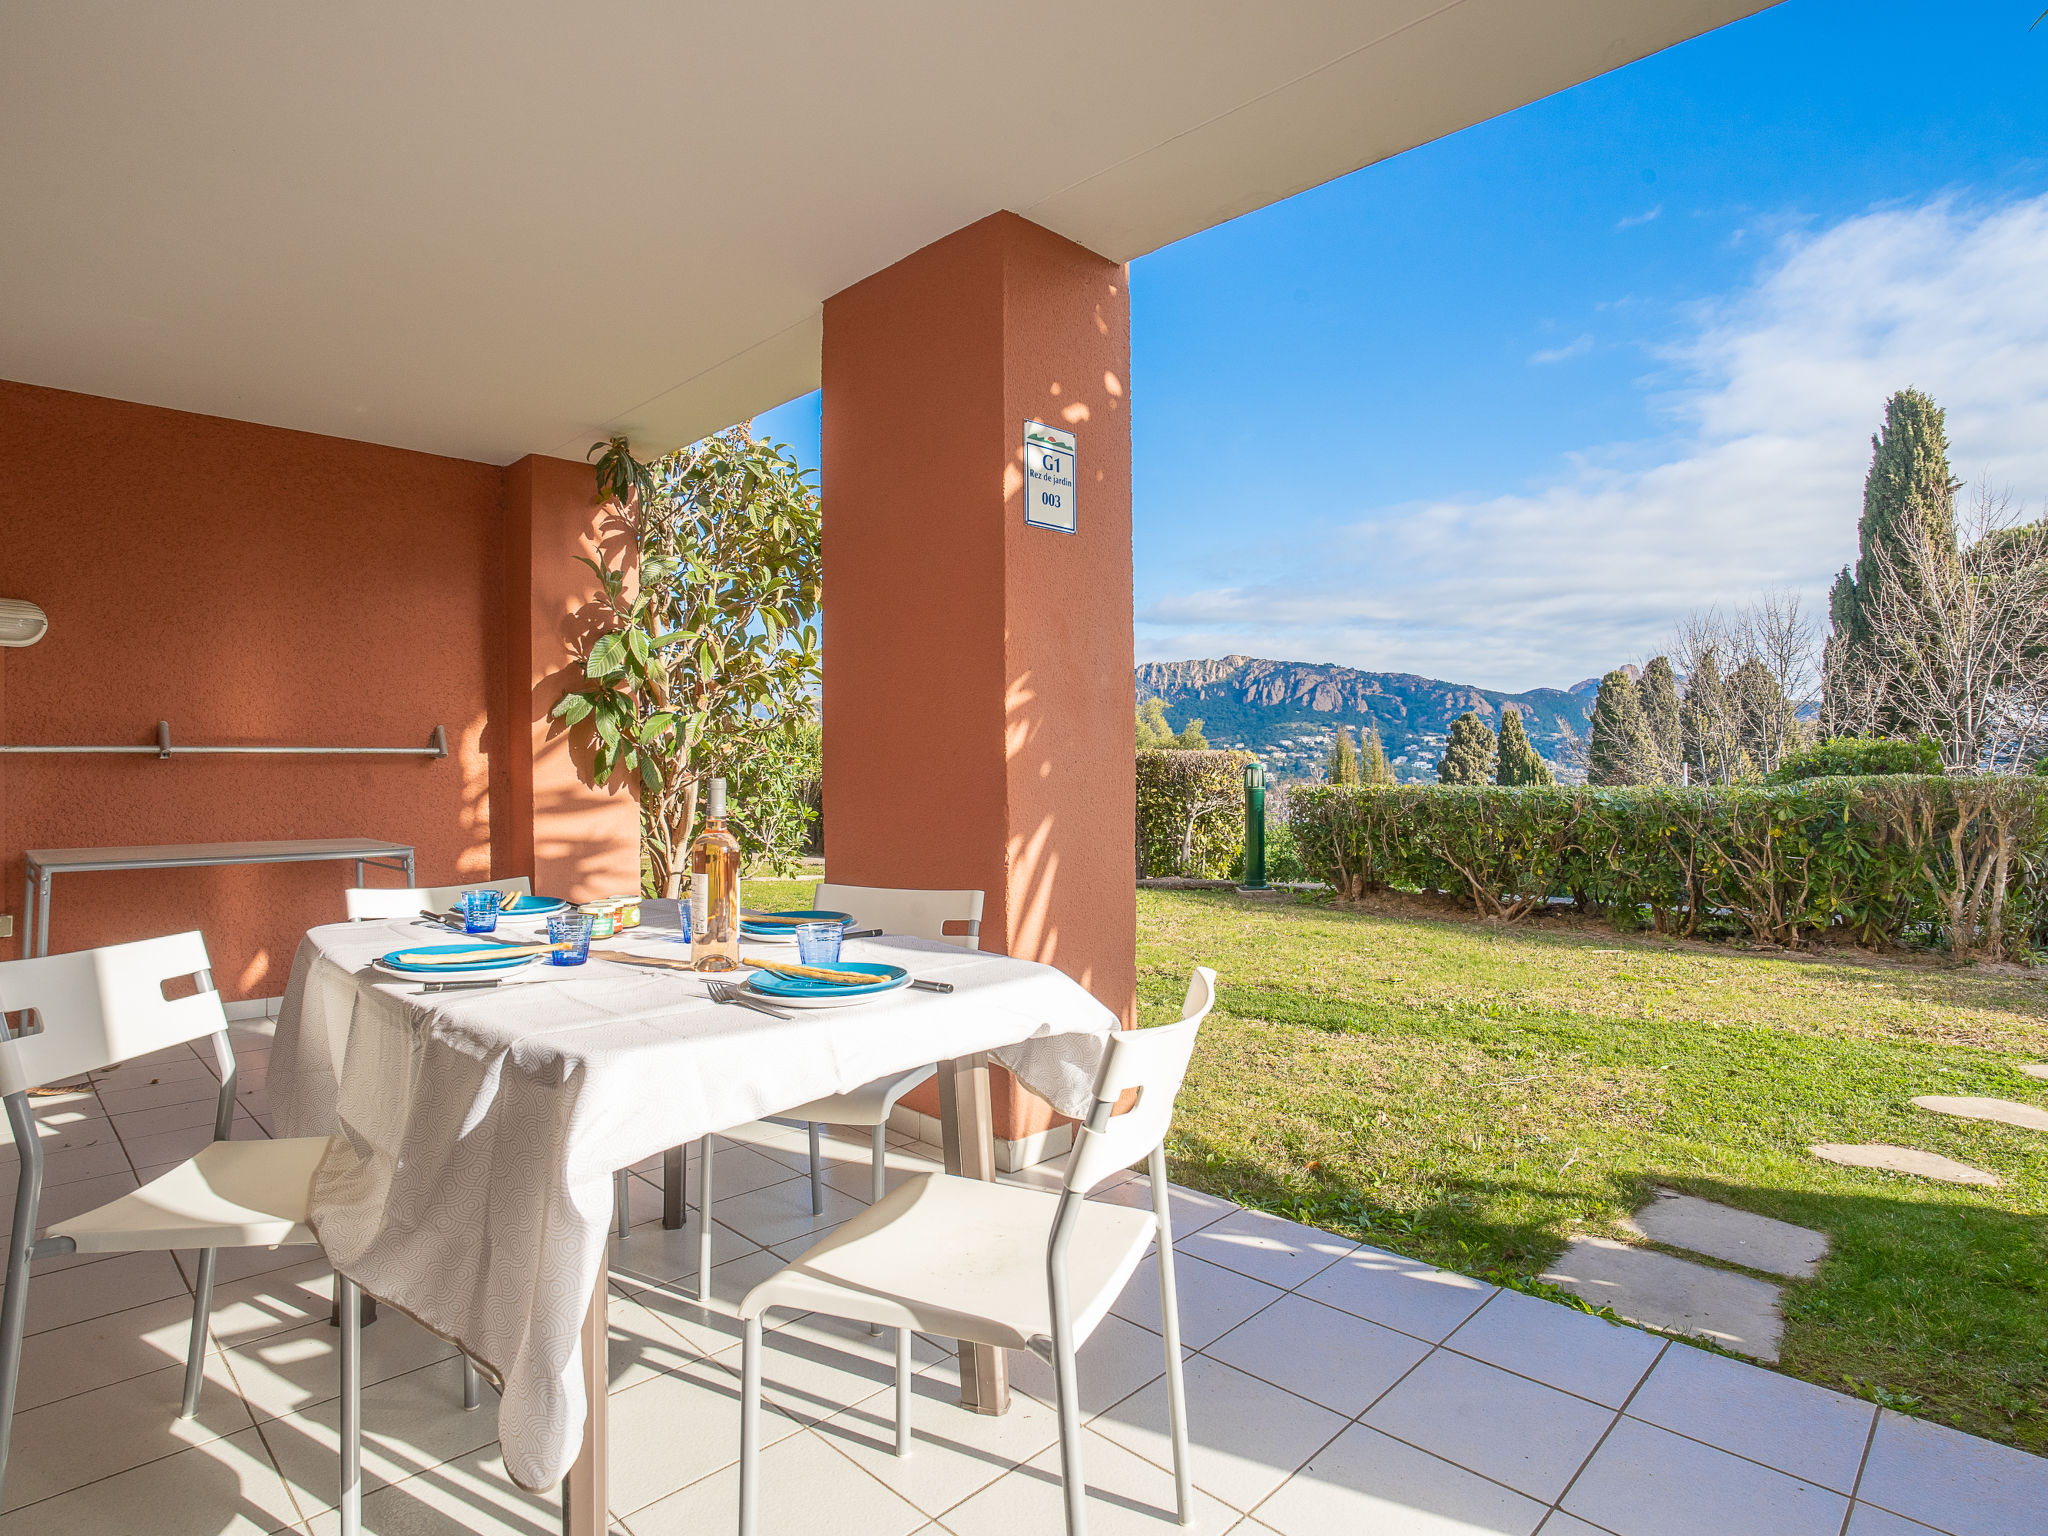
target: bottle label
700 902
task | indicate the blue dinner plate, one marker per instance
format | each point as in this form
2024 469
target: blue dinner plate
532 906
392 962
806 989
754 926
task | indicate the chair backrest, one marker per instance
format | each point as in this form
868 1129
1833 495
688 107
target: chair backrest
920 914
365 901
1153 1062
95 1007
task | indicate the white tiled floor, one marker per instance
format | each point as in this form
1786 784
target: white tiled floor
1332 1389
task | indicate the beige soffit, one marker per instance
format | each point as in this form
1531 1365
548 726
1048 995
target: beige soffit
495 230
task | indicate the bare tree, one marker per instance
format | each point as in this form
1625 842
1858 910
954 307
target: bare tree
1751 683
1959 642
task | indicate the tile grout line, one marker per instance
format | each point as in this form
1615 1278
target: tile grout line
1862 1462
1557 1504
269 1450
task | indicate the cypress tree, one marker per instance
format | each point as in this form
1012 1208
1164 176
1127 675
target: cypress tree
1660 710
1520 763
1706 735
1766 725
1469 754
1373 767
1907 495
1621 750
1341 761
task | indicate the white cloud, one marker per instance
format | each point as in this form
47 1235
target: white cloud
1634 219
1571 349
1756 484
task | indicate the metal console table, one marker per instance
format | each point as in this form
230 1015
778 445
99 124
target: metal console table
366 852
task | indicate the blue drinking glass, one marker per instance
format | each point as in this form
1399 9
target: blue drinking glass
480 911
573 929
818 943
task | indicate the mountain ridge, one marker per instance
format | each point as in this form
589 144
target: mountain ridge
1272 706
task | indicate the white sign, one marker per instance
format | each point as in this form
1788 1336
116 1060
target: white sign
1048 477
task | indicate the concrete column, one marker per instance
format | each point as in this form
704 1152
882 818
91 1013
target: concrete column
978 696
548 820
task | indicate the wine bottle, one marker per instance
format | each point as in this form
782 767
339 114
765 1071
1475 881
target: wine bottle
715 890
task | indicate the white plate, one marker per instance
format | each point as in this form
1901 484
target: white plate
784 939
489 973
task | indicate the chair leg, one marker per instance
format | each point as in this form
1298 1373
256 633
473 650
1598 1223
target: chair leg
817 1178
878 1184
472 1386
195 1352
672 1189
1066 1379
1176 1387
622 1202
903 1381
1169 1324
750 1428
14 1306
704 1219
351 1502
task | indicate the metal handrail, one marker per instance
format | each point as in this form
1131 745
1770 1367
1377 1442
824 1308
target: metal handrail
437 746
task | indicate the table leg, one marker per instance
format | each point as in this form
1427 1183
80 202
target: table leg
42 913
28 913
967 1127
587 1489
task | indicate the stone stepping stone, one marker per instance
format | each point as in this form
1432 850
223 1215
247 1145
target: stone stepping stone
1660 1291
1735 1237
2029 1117
2036 1069
1928 1165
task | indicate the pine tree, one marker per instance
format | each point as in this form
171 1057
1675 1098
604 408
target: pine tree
1660 711
1520 763
1621 750
1470 754
1373 767
1340 763
1908 494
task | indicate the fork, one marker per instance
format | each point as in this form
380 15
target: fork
729 992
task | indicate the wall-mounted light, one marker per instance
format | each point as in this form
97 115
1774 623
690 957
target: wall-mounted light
21 623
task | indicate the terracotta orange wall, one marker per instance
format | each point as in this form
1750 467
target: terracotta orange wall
978 694
252 585
575 840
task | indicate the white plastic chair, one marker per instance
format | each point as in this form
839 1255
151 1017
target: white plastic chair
958 1258
368 901
86 1011
917 914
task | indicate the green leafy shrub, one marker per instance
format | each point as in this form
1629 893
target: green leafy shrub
1284 864
1858 756
1191 813
1891 860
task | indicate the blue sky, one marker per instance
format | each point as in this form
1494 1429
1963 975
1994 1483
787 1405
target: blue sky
1503 409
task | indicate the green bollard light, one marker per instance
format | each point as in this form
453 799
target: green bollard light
1254 827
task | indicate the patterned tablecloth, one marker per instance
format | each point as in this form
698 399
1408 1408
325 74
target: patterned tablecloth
470 1184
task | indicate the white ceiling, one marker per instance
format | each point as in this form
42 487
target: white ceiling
491 229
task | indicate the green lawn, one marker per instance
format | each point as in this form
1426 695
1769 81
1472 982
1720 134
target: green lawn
1476 1094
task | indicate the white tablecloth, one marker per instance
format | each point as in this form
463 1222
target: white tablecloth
478 1131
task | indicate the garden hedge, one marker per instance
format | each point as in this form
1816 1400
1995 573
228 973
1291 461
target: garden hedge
1898 859
1191 813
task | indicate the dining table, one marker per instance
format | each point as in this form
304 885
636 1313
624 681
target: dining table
475 1132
